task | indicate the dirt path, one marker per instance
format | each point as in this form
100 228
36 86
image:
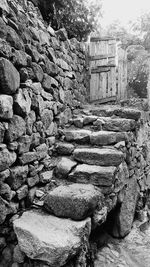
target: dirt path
132 251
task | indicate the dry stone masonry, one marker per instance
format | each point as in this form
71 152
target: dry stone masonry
63 169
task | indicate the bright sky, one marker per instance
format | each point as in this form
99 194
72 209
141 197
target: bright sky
123 10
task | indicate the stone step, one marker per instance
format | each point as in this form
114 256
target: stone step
127 113
79 136
98 156
115 124
103 138
49 239
75 201
92 174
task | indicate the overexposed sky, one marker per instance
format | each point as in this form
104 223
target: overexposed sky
123 10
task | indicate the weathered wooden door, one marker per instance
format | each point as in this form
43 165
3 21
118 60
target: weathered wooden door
105 76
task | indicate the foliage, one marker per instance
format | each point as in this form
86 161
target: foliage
76 16
142 28
118 31
138 69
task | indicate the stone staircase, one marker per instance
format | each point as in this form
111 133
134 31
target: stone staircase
90 174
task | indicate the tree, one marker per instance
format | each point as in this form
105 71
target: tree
78 17
142 27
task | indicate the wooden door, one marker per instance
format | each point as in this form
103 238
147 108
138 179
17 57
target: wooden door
102 63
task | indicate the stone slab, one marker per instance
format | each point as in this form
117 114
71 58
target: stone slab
106 138
97 156
119 125
92 174
50 239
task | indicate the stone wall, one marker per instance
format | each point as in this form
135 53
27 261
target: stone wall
41 84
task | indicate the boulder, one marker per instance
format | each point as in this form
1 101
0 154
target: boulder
16 128
50 239
97 156
125 216
92 174
9 77
6 107
64 166
75 201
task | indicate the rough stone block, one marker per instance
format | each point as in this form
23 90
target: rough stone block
75 201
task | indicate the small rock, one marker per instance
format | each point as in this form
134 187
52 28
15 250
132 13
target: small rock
18 176
33 180
7 158
46 177
22 103
39 193
24 143
64 148
18 256
6 107
5 191
16 128
28 157
22 192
